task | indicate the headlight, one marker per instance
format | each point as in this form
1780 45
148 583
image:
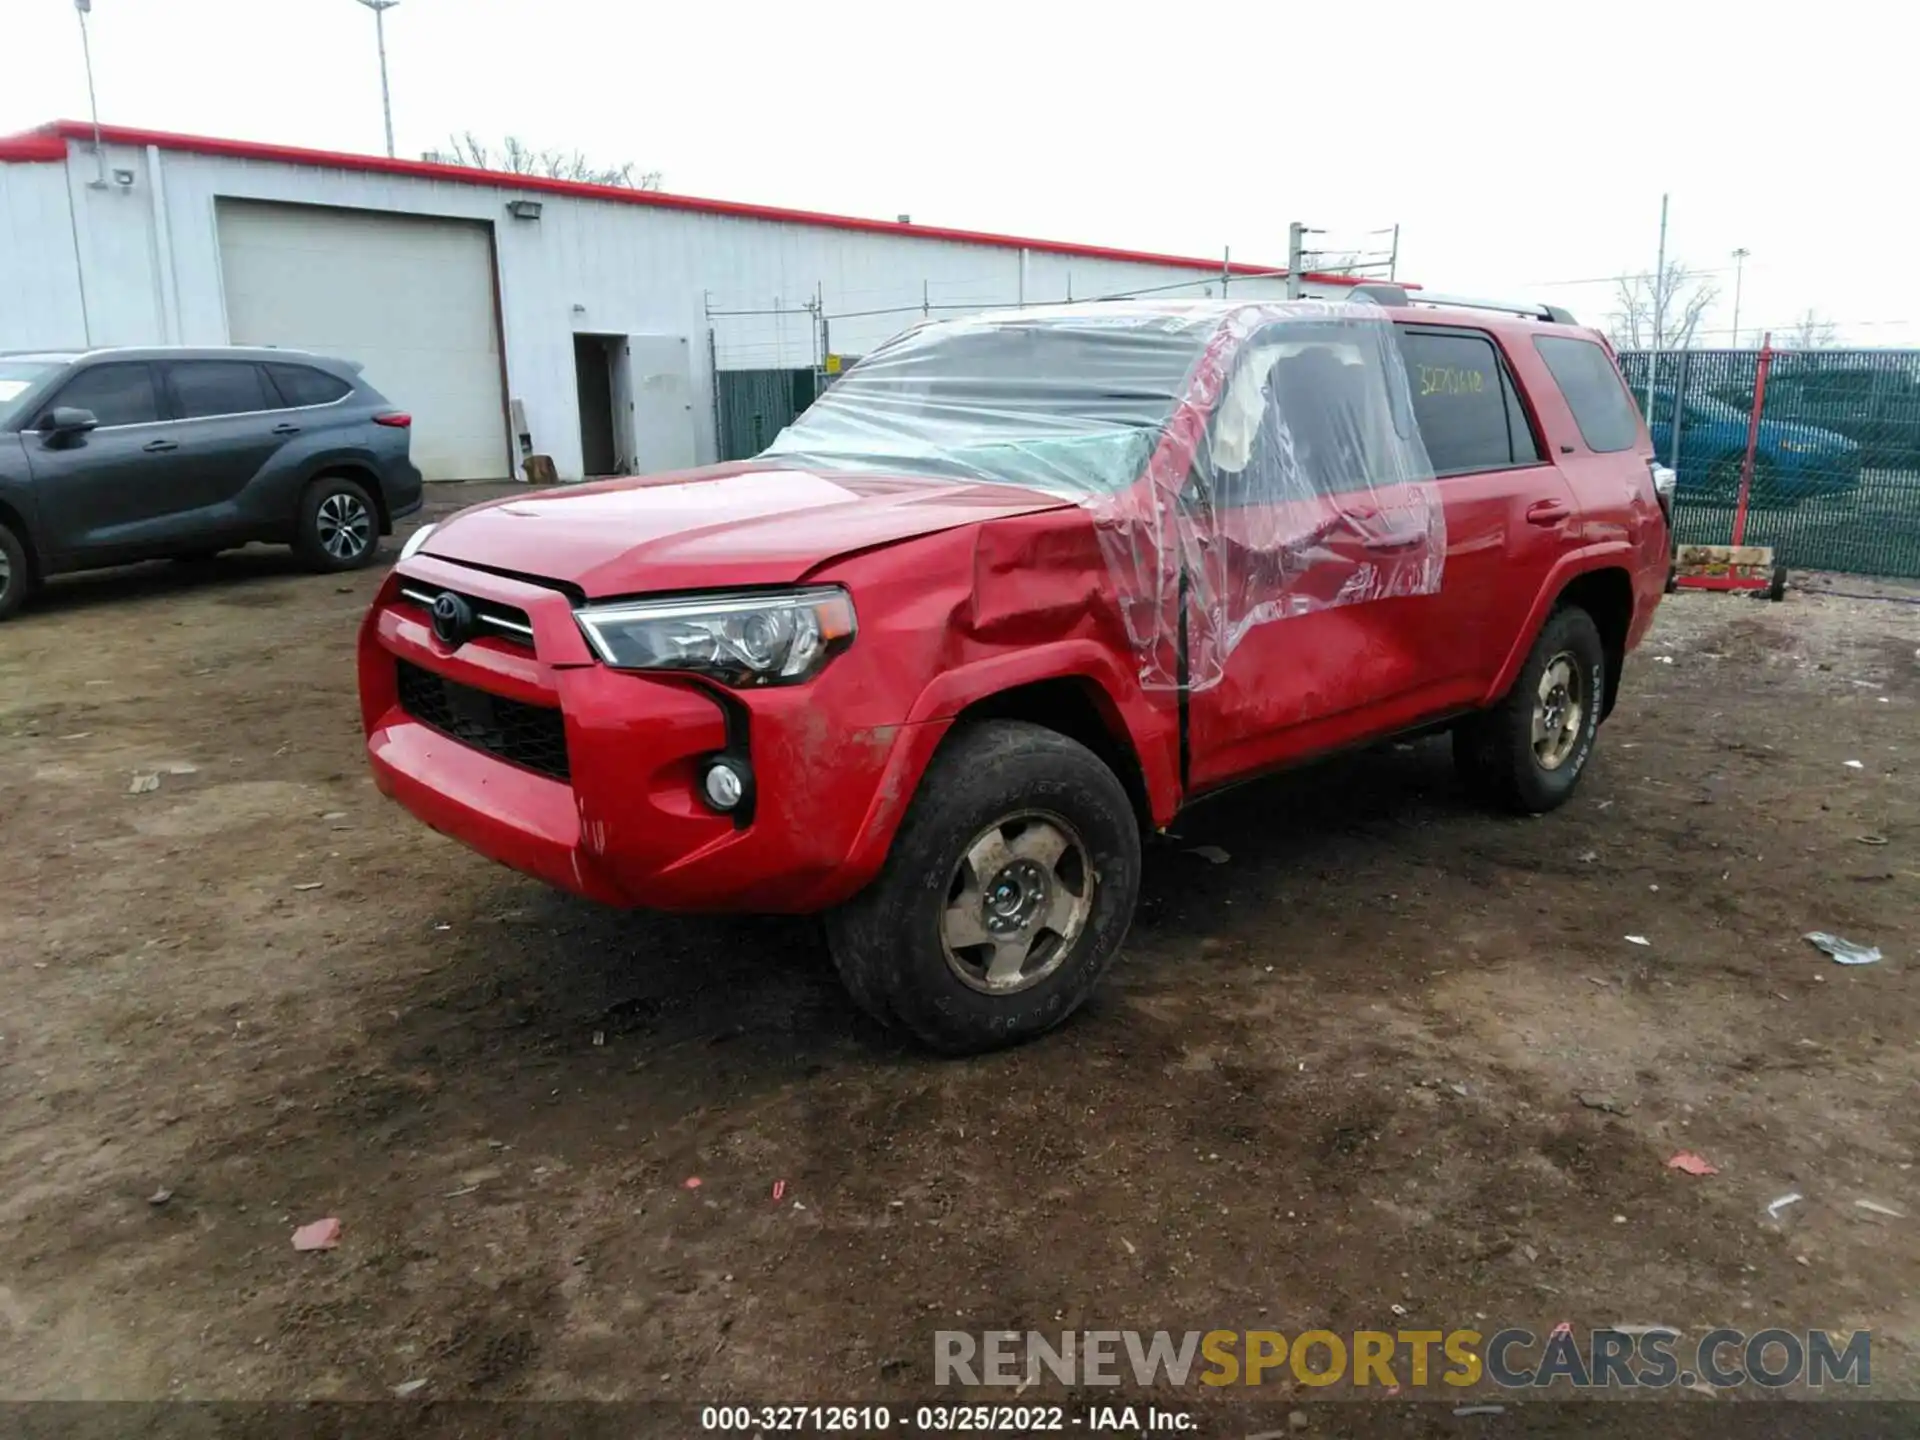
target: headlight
775 638
415 541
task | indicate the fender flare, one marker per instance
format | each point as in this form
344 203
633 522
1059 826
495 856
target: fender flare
1608 555
952 691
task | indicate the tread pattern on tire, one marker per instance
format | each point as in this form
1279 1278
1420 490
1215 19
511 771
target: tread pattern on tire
890 959
1494 751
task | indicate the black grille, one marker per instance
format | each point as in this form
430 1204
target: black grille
531 735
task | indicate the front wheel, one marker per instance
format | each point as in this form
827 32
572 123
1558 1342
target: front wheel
1005 897
1528 752
15 576
338 526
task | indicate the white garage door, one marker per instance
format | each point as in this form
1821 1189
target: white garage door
410 298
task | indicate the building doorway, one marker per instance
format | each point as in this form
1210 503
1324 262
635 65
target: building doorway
595 359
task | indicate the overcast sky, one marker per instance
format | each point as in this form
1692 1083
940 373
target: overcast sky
1518 145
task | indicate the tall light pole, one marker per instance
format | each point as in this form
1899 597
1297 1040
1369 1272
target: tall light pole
84 8
379 9
1739 261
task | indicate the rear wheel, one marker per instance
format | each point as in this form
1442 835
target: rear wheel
1005 896
339 525
1528 752
15 574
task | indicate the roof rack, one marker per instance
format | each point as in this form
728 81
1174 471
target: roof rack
1398 295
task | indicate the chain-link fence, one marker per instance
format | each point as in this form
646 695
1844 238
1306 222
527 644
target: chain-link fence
1836 458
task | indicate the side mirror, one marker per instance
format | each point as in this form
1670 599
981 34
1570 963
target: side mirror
66 422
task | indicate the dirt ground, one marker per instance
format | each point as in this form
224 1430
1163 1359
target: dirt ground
1339 1073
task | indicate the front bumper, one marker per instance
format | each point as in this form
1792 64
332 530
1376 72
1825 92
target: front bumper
627 825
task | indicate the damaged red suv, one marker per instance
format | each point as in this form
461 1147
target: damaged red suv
1015 589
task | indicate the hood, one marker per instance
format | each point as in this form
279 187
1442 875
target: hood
726 525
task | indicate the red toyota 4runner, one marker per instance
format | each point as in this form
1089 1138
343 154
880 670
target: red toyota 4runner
1016 588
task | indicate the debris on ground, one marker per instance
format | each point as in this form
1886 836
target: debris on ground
1211 852
1596 1101
599 1037
1792 1197
319 1235
1845 952
779 1189
692 1182
160 1197
1638 940
181 767
1871 839
144 785
1876 1208
310 885
1691 1164
1462 1411
408 1387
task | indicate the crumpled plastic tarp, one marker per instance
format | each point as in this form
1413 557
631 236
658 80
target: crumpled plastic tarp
1241 462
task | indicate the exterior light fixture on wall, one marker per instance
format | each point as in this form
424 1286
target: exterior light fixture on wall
524 209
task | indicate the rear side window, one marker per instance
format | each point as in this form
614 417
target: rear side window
217 387
1595 393
303 385
1470 416
116 394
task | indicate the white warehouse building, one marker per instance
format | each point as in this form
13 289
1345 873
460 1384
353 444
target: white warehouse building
613 330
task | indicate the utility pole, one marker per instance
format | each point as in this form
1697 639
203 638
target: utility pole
1659 308
1296 256
84 8
379 9
1739 263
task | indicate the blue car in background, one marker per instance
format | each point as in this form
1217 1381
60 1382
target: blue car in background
1791 462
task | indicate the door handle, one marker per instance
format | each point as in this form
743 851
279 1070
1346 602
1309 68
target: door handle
1548 512
285 429
155 447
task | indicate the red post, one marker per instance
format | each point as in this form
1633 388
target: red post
1753 438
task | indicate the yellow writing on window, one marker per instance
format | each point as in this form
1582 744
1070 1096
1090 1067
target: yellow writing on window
1451 380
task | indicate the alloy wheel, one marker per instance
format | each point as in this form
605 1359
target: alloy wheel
345 526
1018 900
1559 711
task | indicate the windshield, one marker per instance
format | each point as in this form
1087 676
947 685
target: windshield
16 378
1065 407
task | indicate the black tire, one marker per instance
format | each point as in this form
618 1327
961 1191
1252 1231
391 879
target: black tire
890 942
1495 752
1673 579
1777 591
16 576
332 509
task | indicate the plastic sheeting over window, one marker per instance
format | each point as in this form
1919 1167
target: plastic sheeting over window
1241 463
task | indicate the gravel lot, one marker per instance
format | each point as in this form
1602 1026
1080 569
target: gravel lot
1391 1052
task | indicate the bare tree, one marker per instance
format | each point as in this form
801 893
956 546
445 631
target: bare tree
513 156
1667 313
1811 331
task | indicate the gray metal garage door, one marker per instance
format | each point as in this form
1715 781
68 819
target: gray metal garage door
411 298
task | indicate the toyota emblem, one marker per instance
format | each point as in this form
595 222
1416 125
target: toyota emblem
452 620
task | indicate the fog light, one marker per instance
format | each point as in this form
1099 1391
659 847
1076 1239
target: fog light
725 786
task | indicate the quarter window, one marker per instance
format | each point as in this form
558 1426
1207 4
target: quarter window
303 385
1595 393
